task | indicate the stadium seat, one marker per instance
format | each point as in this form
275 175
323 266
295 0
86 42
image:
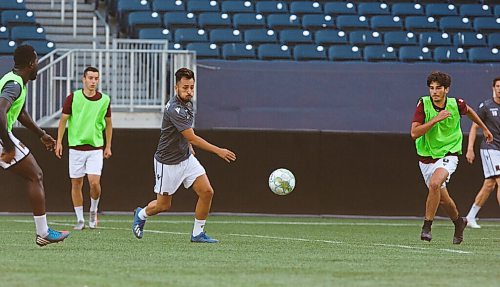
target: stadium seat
238 51
271 7
469 39
10 18
317 21
379 53
12 5
371 9
125 7
414 54
210 20
344 53
155 33
7 47
420 23
433 39
258 36
449 54
42 47
162 6
204 50
221 36
309 52
294 37
198 6
352 22
175 46
480 55
23 33
494 40
305 7
142 19
475 10
173 20
339 8
400 38
440 10
454 24
190 35
386 23
497 11
4 33
283 21
248 21
407 9
486 24
363 38
232 7
274 52
330 37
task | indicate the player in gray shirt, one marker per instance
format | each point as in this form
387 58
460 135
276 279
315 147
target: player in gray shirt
175 163
489 112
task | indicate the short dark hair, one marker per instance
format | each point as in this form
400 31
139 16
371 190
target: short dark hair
24 56
442 78
495 80
90 69
184 73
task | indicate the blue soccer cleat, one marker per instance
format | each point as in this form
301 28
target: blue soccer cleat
138 225
203 238
54 236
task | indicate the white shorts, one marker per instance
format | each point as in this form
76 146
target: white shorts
82 162
169 177
22 151
449 163
491 162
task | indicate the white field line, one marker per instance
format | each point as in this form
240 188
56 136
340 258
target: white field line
421 248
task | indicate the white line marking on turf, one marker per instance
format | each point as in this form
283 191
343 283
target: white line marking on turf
422 248
286 238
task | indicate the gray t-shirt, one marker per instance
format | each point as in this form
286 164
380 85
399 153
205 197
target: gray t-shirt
173 147
489 112
11 91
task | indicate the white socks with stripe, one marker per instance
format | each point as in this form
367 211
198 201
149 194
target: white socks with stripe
42 228
473 212
142 214
199 225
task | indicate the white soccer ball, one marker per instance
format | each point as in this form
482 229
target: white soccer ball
282 181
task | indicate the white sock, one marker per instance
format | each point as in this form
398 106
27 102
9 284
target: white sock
42 228
142 214
93 204
198 226
79 213
473 212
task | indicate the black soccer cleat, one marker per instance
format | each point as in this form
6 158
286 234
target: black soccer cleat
460 225
426 231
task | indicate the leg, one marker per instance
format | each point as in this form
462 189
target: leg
452 211
161 204
497 179
205 194
95 194
77 198
481 197
29 169
434 196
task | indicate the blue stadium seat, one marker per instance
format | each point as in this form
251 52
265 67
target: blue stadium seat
497 11
258 36
454 24
294 37
22 33
420 23
352 22
11 18
42 47
162 6
175 46
375 8
414 54
344 53
494 40
204 50
4 33
12 5
386 23
282 21
7 47
440 10
475 10
400 38
433 39
210 20
248 21
125 7
271 7
340 8
487 24
309 52
190 35
220 36
238 51
364 38
317 21
179 20
469 39
481 55
407 9
305 7
274 52
155 33
198 6
379 53
449 54
232 7
330 37
142 19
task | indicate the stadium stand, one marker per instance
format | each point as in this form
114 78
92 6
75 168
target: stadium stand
274 52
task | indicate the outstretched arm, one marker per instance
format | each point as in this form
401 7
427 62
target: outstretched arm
60 134
195 140
476 119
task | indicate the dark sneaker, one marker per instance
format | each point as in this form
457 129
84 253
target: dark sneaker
203 238
460 225
138 225
426 235
53 237
80 225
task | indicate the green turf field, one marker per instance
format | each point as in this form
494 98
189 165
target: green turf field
254 251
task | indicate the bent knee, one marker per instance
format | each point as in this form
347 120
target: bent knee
206 193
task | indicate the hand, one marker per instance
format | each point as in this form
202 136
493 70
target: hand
226 155
470 156
58 150
442 115
8 154
107 153
48 141
488 136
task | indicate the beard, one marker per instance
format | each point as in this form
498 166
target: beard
33 75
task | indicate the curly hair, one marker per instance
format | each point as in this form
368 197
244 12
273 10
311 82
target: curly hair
439 77
183 73
24 56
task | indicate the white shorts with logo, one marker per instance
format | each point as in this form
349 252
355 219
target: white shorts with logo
491 162
169 177
449 163
22 151
82 162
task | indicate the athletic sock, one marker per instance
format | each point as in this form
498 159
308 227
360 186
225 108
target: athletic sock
42 228
93 204
79 213
142 214
198 226
473 212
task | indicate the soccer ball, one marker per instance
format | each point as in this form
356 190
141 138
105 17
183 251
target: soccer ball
282 181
